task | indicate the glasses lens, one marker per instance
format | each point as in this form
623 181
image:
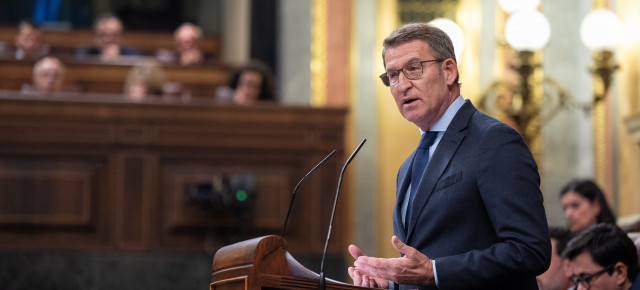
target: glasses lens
385 79
393 77
413 70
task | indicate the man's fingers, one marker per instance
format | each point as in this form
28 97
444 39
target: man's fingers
356 276
355 251
402 247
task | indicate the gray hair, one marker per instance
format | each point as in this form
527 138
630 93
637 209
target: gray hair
441 46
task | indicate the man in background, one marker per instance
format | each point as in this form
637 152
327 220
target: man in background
29 43
108 31
603 257
48 77
187 38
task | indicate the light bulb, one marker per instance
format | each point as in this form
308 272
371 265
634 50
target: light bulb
601 29
453 31
527 30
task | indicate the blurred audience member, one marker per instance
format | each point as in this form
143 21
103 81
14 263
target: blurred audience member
585 205
146 79
108 31
29 43
48 77
187 46
558 276
252 83
603 257
187 38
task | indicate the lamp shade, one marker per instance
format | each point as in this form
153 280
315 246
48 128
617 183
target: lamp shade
453 31
511 6
527 30
601 29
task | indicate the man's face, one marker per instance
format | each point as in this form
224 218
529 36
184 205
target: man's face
48 77
555 277
583 265
424 100
108 32
186 39
29 39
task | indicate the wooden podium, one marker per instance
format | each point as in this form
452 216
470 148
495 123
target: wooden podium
263 263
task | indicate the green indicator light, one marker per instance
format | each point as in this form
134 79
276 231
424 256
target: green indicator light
241 195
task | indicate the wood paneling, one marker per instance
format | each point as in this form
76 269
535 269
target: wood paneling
98 172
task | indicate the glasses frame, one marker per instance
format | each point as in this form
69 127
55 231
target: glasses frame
385 76
584 279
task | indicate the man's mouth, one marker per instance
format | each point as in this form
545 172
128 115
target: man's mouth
408 101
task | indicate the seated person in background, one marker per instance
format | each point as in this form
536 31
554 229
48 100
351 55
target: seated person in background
252 83
29 43
585 205
187 40
603 258
558 276
48 77
108 40
146 79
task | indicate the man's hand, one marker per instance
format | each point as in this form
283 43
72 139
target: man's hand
110 53
191 57
364 280
413 269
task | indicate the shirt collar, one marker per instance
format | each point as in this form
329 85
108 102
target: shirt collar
443 123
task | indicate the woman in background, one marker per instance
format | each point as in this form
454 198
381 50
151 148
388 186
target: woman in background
584 205
252 83
146 79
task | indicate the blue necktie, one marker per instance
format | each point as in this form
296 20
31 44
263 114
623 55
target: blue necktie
420 161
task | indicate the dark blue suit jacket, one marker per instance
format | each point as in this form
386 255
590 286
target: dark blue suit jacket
478 211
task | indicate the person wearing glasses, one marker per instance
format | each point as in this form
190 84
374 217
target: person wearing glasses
603 257
469 211
108 31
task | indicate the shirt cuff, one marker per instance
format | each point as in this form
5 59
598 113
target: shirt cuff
435 274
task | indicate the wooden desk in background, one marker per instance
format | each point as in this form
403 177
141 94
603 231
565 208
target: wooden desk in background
101 173
200 81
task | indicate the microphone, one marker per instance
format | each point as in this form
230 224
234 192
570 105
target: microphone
322 281
293 196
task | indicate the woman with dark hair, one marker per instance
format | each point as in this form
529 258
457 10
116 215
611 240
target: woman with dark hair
584 205
252 83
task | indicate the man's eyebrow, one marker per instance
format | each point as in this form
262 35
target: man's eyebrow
412 60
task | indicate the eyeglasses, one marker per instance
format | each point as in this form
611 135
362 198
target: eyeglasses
585 278
412 71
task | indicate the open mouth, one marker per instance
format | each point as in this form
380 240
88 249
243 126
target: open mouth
409 101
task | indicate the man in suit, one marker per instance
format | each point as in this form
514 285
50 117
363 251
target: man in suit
603 257
108 31
475 218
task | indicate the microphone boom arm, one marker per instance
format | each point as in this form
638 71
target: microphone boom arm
321 284
293 195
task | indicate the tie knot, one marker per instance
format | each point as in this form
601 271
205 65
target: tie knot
427 140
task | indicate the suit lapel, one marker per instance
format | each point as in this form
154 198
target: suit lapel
445 151
401 190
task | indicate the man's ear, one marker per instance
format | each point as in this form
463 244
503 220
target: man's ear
450 68
620 273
